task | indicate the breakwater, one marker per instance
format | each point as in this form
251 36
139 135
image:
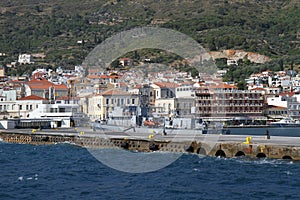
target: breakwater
225 146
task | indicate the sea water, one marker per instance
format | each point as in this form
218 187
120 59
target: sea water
274 131
65 171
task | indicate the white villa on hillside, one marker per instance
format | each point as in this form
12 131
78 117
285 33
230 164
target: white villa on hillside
25 59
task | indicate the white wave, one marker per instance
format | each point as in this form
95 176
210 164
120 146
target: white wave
288 172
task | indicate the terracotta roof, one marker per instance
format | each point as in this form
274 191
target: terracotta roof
112 92
166 84
93 70
138 86
114 76
43 84
93 76
32 97
261 89
124 59
122 84
290 94
103 76
110 76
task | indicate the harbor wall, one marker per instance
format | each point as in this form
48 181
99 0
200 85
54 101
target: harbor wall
222 149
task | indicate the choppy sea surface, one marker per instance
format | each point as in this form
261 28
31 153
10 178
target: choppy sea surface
65 171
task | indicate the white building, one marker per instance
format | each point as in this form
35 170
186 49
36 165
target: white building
25 59
278 101
63 115
185 91
111 104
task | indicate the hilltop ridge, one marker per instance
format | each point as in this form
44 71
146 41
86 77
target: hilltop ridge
270 28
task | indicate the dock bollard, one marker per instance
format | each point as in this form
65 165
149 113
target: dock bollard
248 140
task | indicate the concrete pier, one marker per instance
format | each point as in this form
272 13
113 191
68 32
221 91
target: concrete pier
211 145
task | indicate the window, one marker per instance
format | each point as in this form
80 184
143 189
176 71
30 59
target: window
133 101
53 110
107 101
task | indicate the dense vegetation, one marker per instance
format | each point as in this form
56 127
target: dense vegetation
269 27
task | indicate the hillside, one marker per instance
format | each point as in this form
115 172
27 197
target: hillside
270 27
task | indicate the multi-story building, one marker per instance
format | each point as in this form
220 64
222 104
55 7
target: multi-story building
179 107
293 107
225 101
112 103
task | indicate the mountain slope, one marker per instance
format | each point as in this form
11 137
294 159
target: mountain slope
268 27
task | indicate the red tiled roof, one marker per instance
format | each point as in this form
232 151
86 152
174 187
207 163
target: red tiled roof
93 76
114 76
125 59
112 92
103 76
122 84
290 94
43 84
110 76
261 89
32 97
93 70
166 84
138 86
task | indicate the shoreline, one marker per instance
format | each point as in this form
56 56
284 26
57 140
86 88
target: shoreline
256 146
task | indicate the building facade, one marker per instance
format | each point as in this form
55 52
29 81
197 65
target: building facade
226 101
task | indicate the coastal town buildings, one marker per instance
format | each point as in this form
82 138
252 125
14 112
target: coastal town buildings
226 102
121 94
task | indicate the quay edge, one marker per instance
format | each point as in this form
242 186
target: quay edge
227 148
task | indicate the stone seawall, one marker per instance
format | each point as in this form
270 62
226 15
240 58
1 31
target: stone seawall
222 148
